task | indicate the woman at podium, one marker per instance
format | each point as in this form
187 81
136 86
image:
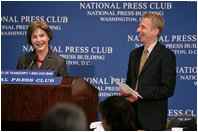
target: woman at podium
39 35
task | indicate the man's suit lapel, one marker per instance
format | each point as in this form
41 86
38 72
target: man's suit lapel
138 59
154 53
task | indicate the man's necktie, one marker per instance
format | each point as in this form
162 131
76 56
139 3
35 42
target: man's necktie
143 60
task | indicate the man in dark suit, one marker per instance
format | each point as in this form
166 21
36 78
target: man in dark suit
155 79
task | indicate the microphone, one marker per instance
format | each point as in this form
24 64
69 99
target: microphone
32 62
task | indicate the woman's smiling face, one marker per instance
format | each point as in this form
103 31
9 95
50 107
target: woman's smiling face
40 40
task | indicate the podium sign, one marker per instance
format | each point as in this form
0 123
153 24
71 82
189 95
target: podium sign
11 76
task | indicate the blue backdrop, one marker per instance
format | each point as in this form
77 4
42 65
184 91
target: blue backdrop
97 37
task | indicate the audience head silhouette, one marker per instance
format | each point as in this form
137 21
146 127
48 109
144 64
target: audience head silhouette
117 114
65 117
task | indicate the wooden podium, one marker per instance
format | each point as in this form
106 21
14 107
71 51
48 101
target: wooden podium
23 105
